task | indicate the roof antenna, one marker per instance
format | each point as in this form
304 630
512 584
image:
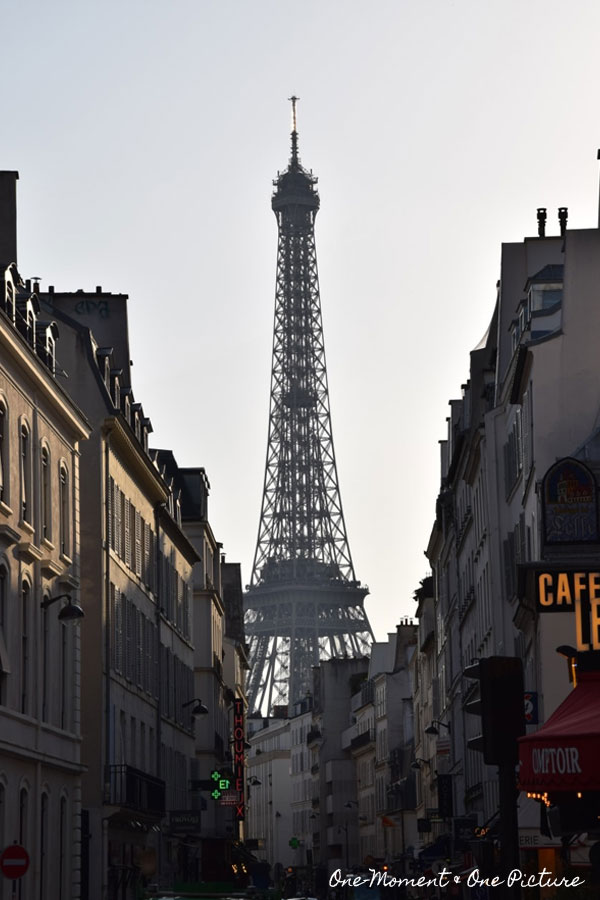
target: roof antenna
295 161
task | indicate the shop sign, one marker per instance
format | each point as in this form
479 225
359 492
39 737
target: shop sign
184 821
572 591
569 504
239 756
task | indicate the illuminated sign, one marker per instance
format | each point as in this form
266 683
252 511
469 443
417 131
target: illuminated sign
239 757
569 504
577 592
228 787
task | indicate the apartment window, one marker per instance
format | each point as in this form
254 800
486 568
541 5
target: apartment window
4 661
45 623
62 850
64 509
3 450
25 598
545 296
23 828
43 844
142 747
25 458
45 490
64 674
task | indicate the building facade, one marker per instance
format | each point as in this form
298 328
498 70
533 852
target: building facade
41 433
137 651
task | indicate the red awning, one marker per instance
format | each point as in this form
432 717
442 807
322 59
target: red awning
564 754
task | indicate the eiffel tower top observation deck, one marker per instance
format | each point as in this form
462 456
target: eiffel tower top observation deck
304 603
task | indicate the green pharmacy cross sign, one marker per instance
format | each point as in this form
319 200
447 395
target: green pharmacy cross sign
221 784
294 843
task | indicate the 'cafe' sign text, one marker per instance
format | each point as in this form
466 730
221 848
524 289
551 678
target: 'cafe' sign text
578 592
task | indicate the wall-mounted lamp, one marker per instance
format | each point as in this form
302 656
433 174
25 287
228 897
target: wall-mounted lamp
435 724
350 804
71 612
416 764
567 650
199 709
253 781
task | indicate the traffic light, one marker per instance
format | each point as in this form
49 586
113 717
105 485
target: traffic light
501 707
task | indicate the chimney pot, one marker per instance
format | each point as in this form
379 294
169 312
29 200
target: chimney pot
8 218
541 220
563 215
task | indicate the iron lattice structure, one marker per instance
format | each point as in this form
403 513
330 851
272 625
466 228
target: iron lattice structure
304 603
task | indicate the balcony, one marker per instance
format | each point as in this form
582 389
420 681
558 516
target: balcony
363 740
313 735
128 787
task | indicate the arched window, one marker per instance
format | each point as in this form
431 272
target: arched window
25 466
25 616
45 655
64 509
3 450
43 845
4 659
45 491
23 829
62 850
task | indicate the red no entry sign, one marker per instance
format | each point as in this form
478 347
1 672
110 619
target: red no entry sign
14 861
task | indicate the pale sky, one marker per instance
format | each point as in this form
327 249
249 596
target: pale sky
147 135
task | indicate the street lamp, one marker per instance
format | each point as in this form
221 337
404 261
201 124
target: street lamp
432 729
345 827
416 763
199 709
71 612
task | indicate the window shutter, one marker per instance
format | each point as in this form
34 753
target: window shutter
138 543
118 631
109 517
139 661
113 617
117 535
127 548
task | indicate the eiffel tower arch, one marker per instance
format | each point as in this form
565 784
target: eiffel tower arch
304 603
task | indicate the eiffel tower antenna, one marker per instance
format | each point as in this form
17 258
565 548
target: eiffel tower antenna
304 604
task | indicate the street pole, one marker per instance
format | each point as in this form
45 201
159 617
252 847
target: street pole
509 827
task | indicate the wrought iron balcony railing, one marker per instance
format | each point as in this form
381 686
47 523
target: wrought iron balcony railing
135 790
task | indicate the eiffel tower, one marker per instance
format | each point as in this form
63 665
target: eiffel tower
303 604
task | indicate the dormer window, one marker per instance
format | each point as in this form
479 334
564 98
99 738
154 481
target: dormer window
115 375
137 420
46 343
27 311
545 296
103 357
515 334
9 298
545 288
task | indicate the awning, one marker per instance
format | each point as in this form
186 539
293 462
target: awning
563 754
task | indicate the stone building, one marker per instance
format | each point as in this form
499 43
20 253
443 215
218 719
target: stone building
41 596
530 405
137 651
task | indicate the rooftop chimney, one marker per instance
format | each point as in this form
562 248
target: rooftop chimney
563 215
541 219
8 218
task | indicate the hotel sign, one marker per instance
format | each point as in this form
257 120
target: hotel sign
572 591
239 756
570 504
